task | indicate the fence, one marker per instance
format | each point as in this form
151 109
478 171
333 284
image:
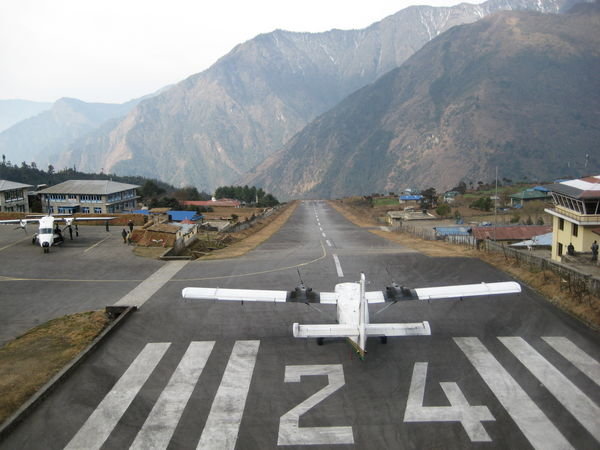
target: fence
577 282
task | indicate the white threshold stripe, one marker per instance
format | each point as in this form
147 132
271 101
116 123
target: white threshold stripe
585 363
160 425
323 234
101 422
328 242
533 423
576 402
338 266
223 423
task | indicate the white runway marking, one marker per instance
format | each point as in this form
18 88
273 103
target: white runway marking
533 423
290 431
95 245
459 410
223 423
338 266
328 242
99 425
164 417
576 356
147 288
324 235
576 402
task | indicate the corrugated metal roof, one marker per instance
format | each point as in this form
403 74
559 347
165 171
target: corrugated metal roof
91 187
453 231
230 203
510 233
6 185
529 194
543 240
588 187
178 216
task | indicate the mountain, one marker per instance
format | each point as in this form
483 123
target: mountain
39 137
214 126
517 90
13 111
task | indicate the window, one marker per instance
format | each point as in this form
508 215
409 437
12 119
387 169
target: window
85 210
561 224
97 210
560 249
575 229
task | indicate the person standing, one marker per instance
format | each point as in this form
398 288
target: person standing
124 234
106 224
130 223
595 251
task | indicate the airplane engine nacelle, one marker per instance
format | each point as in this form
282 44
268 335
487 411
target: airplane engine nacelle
302 294
397 293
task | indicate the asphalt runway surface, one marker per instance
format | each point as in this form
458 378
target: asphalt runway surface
507 371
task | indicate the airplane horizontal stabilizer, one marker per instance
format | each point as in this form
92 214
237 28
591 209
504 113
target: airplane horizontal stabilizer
247 295
468 290
399 329
317 331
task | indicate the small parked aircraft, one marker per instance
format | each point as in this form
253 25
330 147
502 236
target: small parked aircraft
49 233
352 306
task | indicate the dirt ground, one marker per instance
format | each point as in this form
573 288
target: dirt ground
570 299
246 240
28 362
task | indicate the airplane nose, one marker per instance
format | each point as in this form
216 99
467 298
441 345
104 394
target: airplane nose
46 244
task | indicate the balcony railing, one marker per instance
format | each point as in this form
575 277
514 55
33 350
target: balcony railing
581 219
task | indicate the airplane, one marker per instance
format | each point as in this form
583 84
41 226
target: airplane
352 306
49 233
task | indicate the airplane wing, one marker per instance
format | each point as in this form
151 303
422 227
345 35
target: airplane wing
19 221
248 295
70 219
468 290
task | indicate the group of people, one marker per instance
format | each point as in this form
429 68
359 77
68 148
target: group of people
594 248
127 235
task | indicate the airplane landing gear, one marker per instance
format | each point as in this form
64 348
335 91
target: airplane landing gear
319 341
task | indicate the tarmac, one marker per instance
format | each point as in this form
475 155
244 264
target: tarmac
506 371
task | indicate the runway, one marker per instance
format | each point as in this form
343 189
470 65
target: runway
500 372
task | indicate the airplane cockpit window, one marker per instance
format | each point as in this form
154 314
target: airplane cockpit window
45 231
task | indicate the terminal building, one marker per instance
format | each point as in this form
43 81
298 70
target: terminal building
13 196
89 197
576 215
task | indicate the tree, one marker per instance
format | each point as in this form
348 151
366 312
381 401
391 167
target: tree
150 189
482 203
443 210
429 198
50 169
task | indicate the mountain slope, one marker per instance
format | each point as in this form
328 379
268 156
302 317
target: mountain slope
38 138
13 111
516 90
214 126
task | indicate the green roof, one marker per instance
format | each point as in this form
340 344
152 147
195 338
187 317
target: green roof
529 194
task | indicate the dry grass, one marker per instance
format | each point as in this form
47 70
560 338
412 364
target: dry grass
28 362
582 305
249 239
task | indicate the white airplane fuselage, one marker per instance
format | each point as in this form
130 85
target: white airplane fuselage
353 311
46 236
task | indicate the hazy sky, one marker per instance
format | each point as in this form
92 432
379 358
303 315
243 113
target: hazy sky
116 50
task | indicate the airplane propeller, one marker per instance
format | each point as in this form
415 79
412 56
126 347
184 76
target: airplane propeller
23 225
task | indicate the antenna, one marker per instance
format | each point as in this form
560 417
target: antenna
300 276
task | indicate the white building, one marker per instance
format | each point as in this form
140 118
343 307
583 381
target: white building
13 196
89 197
